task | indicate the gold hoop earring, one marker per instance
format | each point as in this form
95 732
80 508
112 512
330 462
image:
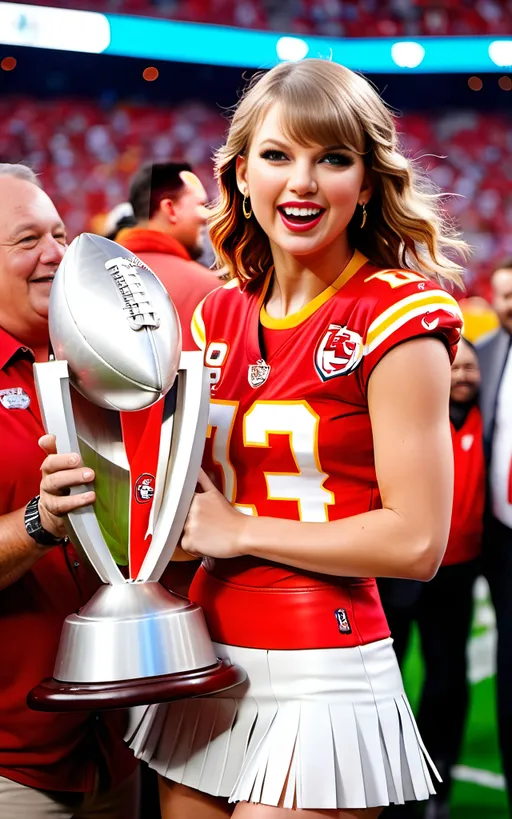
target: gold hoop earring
365 216
247 210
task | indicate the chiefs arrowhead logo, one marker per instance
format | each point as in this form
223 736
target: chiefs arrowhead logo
338 352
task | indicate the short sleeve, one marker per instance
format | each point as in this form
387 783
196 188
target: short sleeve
212 312
197 327
419 309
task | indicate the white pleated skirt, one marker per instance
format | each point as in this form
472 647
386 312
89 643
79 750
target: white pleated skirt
322 729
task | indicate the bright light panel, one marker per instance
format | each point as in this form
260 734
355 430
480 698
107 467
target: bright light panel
61 29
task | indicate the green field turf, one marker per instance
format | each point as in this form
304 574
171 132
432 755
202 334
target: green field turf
478 792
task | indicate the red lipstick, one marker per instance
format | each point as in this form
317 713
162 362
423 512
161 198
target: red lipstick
300 223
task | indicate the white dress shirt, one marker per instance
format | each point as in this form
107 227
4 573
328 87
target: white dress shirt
501 460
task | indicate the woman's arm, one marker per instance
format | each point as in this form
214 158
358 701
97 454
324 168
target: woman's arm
408 402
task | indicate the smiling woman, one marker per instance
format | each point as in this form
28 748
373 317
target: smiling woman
329 359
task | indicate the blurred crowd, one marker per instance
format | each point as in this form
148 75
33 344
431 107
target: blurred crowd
342 18
87 153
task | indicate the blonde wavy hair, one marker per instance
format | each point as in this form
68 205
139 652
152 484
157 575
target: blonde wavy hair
325 103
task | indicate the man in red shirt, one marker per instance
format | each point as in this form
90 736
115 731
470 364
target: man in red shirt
51 765
443 607
168 202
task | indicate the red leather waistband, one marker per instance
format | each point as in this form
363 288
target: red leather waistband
328 616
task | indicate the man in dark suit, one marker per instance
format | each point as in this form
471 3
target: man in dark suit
495 359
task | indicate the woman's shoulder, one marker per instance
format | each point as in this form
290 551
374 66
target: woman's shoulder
392 284
397 295
404 304
228 300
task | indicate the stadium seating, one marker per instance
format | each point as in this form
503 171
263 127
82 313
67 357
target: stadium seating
349 18
87 153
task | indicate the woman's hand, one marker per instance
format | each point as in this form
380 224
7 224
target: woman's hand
59 474
213 527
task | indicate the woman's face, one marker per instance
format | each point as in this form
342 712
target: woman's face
302 196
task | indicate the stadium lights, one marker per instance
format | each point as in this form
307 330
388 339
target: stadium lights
500 52
150 74
407 55
58 29
475 83
291 48
154 39
8 64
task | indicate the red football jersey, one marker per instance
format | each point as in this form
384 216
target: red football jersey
290 437
465 539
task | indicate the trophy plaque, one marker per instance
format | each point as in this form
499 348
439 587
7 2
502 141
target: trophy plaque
121 393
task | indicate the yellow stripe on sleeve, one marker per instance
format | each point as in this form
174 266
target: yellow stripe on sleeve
403 311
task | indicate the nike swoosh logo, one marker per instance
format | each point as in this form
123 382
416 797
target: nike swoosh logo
429 325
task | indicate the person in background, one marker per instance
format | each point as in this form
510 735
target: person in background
63 766
169 205
443 607
496 403
120 217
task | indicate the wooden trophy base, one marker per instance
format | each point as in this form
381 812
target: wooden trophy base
53 695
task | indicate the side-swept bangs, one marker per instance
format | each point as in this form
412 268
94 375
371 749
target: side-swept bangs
314 110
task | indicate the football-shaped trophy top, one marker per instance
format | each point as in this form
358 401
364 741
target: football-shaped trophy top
112 320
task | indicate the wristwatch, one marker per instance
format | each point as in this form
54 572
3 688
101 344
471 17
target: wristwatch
34 526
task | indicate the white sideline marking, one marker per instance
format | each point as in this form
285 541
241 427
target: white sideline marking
486 779
481 589
481 654
481 666
481 650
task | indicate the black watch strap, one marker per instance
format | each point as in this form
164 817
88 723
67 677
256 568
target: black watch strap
34 527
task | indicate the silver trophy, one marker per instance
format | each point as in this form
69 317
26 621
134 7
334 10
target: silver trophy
121 392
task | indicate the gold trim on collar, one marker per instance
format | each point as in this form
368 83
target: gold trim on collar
294 319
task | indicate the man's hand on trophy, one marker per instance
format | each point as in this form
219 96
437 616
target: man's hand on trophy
59 474
213 528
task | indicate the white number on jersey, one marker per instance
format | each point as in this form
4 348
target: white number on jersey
299 422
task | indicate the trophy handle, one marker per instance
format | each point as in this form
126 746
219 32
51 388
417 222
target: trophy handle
189 425
52 385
